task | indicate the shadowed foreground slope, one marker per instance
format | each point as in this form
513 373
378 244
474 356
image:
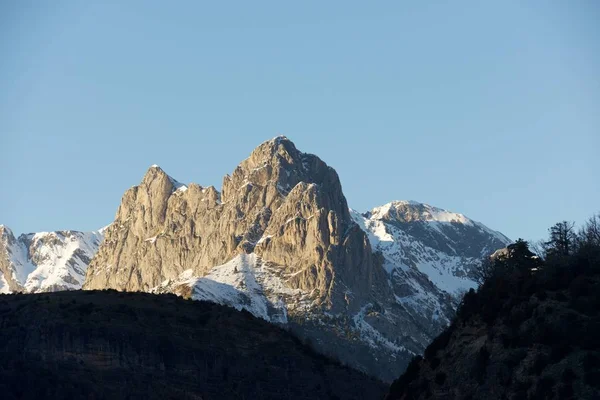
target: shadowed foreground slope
532 331
106 344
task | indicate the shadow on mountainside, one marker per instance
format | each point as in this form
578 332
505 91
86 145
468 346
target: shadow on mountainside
108 344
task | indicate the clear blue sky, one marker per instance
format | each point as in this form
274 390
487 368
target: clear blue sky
491 110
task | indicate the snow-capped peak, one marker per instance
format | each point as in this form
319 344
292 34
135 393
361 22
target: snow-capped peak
177 186
278 139
410 210
444 245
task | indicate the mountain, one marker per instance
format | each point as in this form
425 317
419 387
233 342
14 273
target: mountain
531 331
110 345
280 241
443 245
45 261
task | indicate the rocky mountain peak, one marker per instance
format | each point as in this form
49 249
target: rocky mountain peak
446 231
156 177
276 167
285 205
6 234
153 171
279 147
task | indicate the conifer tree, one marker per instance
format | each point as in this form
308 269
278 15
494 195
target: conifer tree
562 238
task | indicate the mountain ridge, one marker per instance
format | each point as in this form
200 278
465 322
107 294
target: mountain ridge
280 241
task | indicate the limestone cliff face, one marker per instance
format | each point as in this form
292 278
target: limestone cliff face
283 205
9 272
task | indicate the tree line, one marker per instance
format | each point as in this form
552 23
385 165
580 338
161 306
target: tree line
564 243
523 269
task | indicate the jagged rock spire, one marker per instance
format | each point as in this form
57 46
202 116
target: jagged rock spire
293 198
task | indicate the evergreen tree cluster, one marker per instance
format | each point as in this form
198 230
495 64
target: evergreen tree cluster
517 271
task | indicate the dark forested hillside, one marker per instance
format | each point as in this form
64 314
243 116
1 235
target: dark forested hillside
106 344
531 331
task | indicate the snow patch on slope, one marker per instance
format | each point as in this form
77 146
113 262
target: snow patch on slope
371 335
245 282
61 260
19 258
16 255
179 187
4 289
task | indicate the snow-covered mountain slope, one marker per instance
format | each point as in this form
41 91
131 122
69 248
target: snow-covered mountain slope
440 244
245 282
45 261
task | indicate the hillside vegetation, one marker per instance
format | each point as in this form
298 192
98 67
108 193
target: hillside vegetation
531 331
112 345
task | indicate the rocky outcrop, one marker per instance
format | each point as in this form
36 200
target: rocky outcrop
283 205
12 271
45 261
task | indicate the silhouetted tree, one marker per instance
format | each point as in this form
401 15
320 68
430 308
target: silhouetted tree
538 247
520 255
516 257
486 270
589 234
587 244
562 238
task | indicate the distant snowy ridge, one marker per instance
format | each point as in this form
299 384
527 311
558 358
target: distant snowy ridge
411 211
45 261
443 245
